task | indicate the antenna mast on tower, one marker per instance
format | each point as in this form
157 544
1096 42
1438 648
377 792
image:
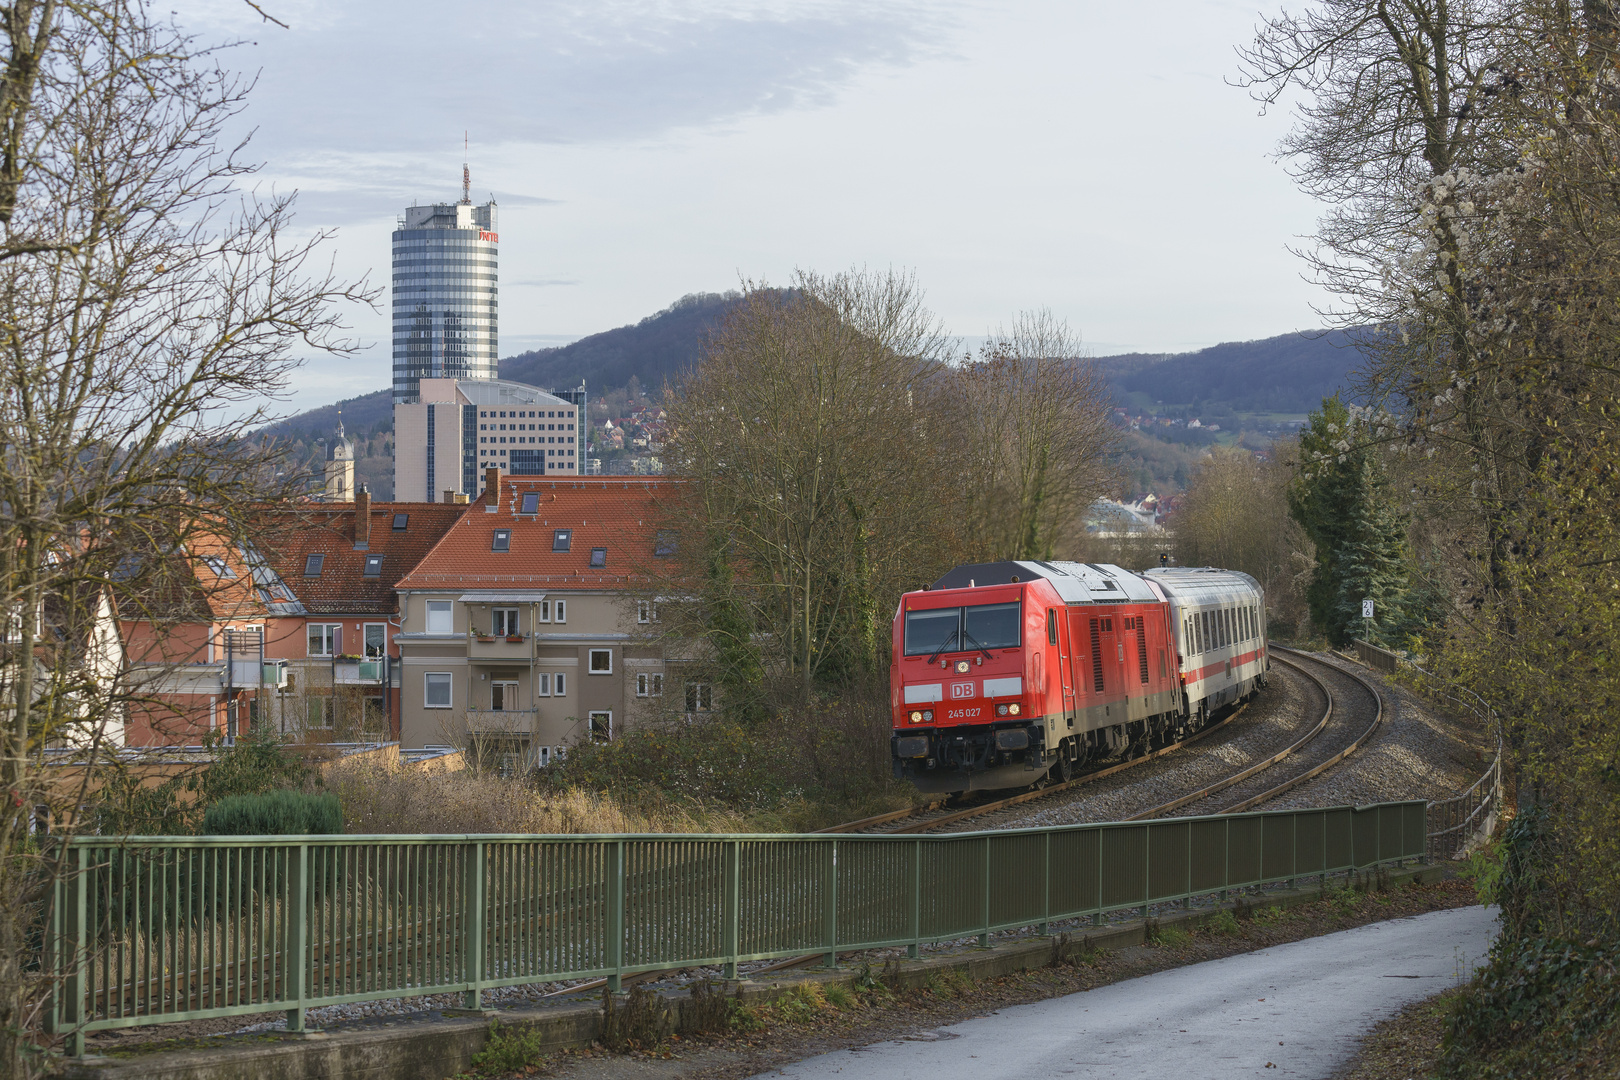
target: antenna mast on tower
466 174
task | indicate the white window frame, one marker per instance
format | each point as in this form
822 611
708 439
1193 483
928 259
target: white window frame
449 685
696 691
509 694
446 608
542 684
331 633
649 684
559 611
544 757
643 611
508 617
590 662
590 723
543 611
364 648
559 684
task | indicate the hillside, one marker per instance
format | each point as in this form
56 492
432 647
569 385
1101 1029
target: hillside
1290 373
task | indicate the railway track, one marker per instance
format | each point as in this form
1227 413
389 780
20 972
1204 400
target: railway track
1348 722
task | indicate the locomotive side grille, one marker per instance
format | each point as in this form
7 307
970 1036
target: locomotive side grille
1141 649
1096 658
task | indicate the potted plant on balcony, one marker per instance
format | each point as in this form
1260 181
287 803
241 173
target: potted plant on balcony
481 636
514 637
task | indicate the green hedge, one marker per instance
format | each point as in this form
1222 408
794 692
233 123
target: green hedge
275 813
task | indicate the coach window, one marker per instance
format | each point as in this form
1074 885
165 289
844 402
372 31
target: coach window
1051 626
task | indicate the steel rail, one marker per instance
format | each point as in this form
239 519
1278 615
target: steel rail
1027 796
1253 770
1360 741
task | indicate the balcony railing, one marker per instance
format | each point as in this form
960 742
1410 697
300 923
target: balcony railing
491 647
359 672
501 721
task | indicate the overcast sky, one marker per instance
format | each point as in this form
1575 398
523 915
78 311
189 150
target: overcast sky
1082 155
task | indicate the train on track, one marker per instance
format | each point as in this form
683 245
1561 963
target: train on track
1004 674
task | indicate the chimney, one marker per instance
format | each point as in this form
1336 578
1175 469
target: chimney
362 518
449 496
492 484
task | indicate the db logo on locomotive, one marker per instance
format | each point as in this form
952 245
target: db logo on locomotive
961 689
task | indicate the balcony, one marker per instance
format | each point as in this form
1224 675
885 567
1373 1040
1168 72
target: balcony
511 648
501 721
358 672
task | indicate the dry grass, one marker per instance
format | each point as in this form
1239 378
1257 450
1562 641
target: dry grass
382 798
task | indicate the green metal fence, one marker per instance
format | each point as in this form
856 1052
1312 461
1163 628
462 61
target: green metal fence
147 930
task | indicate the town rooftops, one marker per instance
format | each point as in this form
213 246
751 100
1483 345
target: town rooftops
534 536
346 558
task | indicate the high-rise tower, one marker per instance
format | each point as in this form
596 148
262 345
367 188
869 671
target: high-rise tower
445 293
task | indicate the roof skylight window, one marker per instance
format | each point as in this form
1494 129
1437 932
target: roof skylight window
561 538
312 565
531 503
400 521
598 556
501 541
373 566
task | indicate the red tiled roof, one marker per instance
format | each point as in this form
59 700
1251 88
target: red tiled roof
289 536
617 514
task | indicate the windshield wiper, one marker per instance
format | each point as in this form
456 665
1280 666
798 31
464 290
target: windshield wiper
969 639
945 645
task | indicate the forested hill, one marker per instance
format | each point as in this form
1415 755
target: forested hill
657 348
1290 373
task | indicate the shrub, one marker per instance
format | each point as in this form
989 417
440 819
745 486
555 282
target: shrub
1223 922
506 1051
275 813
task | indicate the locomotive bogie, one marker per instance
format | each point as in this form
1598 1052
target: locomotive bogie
1004 672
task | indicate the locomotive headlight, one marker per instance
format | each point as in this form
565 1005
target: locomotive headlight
916 716
1001 710
1013 708
928 714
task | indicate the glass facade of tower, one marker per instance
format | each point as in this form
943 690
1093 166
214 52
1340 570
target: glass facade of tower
445 295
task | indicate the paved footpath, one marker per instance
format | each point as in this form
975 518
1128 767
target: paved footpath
1294 1010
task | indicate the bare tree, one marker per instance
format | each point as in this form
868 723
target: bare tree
1035 438
151 311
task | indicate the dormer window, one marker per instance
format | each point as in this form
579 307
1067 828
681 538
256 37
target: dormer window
561 538
531 503
373 566
598 557
312 565
218 566
501 541
400 521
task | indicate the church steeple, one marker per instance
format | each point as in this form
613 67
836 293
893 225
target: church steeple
339 467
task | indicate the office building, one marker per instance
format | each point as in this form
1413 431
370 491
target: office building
445 294
458 428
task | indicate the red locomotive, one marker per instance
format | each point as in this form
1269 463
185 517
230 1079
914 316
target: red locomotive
1003 673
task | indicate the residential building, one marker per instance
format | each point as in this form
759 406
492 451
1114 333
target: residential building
519 631
338 564
447 439
195 652
445 293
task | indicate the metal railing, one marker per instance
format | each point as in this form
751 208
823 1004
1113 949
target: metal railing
150 930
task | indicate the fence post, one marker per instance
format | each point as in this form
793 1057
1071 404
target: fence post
984 937
1046 884
914 949
472 897
733 907
829 915
1098 916
297 962
615 914
78 957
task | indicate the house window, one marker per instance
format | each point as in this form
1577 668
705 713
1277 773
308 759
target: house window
543 611
503 696
559 685
559 611
501 541
376 640
439 618
312 565
598 556
319 712
699 697
504 621
373 566
643 611
436 690
400 521
545 756
601 662
323 638
649 684
560 539
664 543
542 684
601 726
531 503
218 566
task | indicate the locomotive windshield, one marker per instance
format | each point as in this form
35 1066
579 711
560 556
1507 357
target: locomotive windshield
983 626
